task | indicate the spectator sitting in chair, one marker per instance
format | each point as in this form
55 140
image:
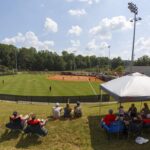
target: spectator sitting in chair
145 112
136 125
67 111
34 121
17 121
36 126
56 111
109 118
132 112
77 110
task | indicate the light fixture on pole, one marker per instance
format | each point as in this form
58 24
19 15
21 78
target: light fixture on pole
134 9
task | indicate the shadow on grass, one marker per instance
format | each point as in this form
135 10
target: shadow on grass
95 132
9 134
28 140
99 138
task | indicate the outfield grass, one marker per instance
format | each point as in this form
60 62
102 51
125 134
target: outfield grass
79 134
38 85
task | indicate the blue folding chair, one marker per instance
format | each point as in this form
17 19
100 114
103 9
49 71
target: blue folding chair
115 127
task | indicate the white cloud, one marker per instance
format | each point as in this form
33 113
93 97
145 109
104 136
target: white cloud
71 49
29 39
90 2
74 48
106 26
97 48
50 25
147 19
75 30
142 47
77 12
93 45
75 43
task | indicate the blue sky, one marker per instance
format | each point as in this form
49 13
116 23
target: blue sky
84 27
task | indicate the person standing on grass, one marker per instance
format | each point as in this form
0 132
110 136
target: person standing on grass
3 82
50 88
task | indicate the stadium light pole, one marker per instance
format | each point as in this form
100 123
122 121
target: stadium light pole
134 9
109 65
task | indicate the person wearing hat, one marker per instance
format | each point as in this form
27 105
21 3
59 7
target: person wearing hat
56 111
77 110
109 118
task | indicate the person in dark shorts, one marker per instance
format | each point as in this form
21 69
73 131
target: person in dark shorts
50 88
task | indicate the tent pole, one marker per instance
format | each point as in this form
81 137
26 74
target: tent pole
120 104
141 105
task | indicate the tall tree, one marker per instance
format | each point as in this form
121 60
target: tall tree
26 58
143 61
8 55
116 62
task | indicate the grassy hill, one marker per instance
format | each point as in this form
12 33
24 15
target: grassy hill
78 134
38 85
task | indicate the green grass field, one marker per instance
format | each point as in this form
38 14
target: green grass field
38 85
78 134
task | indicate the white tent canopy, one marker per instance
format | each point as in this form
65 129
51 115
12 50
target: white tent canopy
132 87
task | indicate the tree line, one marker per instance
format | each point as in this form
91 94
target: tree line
33 60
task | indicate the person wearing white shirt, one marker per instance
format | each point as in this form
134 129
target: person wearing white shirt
56 111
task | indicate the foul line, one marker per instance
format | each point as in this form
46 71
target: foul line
92 88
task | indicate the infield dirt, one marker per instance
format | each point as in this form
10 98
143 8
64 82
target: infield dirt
73 78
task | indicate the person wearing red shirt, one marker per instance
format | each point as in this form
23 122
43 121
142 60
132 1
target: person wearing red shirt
36 126
34 121
109 118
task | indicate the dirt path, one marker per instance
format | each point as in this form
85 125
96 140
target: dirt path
73 78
